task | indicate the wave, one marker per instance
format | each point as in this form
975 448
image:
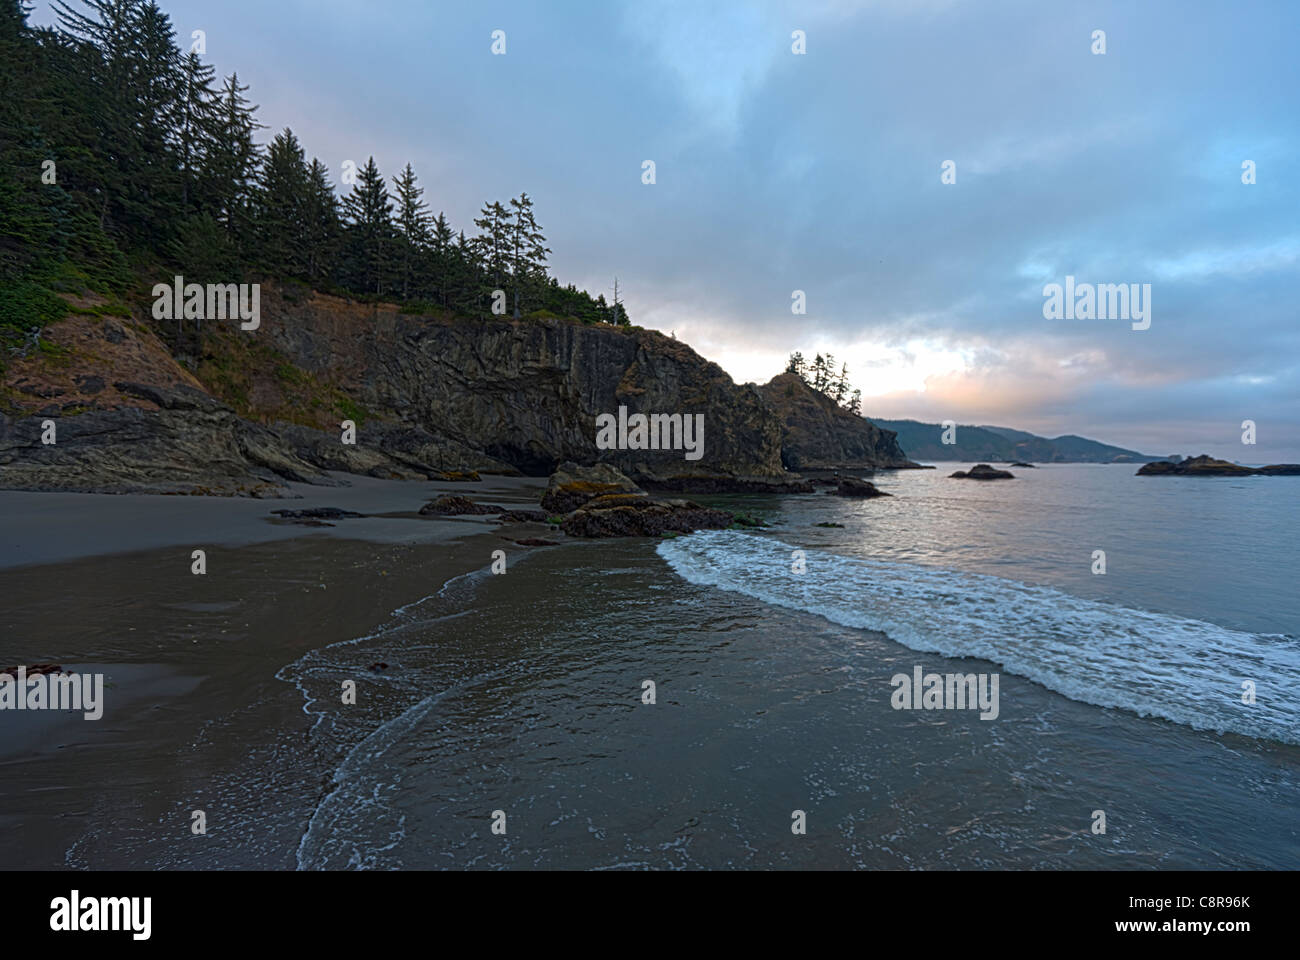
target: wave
1152 664
360 784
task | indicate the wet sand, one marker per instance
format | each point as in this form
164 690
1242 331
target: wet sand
192 658
55 527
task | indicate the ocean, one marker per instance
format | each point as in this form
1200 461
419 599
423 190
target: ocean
509 728
1120 692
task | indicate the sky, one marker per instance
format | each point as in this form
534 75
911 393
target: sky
821 172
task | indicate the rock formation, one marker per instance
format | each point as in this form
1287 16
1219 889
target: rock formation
853 487
982 471
453 506
602 502
428 397
1207 466
818 434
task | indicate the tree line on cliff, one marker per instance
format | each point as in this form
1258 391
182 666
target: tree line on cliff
819 373
120 155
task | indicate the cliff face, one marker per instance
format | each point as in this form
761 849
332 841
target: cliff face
427 394
527 393
821 435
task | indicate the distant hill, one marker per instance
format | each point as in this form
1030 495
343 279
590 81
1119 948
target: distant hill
923 441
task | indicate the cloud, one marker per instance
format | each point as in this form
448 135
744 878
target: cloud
821 173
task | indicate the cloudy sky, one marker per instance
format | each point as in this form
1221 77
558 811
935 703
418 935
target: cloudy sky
821 172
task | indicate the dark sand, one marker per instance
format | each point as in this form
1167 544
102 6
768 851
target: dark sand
186 657
54 527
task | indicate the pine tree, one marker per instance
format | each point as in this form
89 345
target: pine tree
528 250
493 245
412 226
840 389
855 403
441 246
443 235
157 84
232 162
798 366
131 89
195 118
467 291
282 202
321 225
819 373
369 210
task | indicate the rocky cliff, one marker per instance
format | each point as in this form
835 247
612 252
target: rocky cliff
249 410
818 434
527 393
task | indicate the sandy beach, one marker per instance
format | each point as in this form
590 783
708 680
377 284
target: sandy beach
103 584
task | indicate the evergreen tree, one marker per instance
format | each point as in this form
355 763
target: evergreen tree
467 292
413 228
232 162
440 255
131 90
369 211
282 203
839 390
493 245
195 120
819 373
320 220
528 250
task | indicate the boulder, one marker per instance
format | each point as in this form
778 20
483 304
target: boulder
854 487
982 471
572 485
450 506
629 515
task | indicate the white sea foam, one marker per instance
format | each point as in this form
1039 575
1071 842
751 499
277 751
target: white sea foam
1153 664
357 793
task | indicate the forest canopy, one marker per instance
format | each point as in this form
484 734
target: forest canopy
122 156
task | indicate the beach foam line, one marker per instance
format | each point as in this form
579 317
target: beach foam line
1152 664
355 795
321 658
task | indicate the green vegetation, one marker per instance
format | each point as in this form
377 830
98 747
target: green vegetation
352 410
